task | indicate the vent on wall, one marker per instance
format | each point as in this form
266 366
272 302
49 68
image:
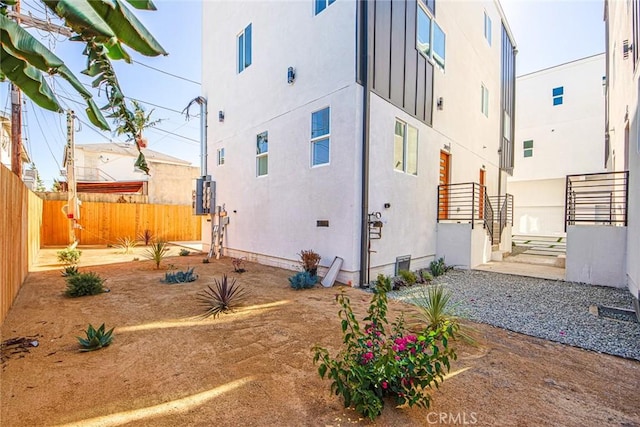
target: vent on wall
403 263
322 223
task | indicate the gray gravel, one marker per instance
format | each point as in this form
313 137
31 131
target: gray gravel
549 309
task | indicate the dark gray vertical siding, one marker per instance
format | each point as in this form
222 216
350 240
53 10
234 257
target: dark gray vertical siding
398 31
411 60
400 74
507 89
382 48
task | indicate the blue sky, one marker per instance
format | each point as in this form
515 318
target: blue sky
548 33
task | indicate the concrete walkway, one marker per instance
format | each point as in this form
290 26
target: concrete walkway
526 265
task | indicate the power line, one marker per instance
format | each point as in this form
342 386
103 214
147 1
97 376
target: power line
175 134
45 138
167 73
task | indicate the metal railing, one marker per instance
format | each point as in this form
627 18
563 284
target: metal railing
465 203
596 199
504 203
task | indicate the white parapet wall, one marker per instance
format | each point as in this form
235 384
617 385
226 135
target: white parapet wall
596 255
462 246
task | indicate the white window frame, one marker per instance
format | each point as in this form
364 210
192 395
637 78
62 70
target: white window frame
484 99
319 138
262 155
487 28
430 55
405 147
220 156
242 50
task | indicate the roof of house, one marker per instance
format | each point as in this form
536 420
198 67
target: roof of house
130 150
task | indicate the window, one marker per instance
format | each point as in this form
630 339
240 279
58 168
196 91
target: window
405 148
220 156
262 154
431 5
487 28
484 107
528 148
320 136
244 49
321 5
558 93
431 40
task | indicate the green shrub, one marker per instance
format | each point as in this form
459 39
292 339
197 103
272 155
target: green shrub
378 361
180 276
303 280
82 284
184 252
424 276
438 268
222 297
70 270
409 277
96 338
69 255
157 251
126 244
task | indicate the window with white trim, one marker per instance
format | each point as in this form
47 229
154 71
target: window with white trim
405 148
320 5
431 40
220 156
244 49
320 136
487 28
484 107
527 146
558 94
262 154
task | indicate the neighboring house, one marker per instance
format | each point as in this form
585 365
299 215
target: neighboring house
622 127
559 121
109 168
314 148
29 176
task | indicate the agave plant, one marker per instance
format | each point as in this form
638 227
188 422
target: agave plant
222 297
157 251
180 276
96 338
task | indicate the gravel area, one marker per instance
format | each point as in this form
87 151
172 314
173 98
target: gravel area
549 309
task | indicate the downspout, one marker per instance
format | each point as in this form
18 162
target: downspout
366 113
203 135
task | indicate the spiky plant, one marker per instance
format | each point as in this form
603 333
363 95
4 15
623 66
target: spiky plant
126 244
82 284
146 236
96 338
180 276
303 280
221 297
157 251
70 270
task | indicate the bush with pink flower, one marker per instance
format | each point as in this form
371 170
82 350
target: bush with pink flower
385 361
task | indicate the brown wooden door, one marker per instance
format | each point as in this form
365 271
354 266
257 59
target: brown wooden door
483 174
443 181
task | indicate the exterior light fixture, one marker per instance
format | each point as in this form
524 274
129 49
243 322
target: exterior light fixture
291 75
221 116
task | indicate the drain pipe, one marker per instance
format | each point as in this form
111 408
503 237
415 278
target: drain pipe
366 113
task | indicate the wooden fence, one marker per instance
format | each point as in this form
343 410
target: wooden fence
20 221
104 223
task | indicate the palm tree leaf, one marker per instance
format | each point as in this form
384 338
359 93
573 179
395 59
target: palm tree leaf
127 28
81 18
23 45
142 4
29 79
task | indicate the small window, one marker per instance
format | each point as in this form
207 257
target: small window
487 28
424 33
528 148
431 5
558 93
438 45
244 49
430 39
262 154
405 148
320 136
220 156
484 107
321 5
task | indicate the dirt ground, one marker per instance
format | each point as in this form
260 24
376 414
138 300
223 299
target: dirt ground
254 367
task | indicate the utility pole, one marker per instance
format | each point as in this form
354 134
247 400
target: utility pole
16 121
73 211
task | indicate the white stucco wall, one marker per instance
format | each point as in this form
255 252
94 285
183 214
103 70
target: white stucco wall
624 93
461 246
596 255
538 206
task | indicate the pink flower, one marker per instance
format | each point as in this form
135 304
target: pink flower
397 357
411 338
369 343
385 385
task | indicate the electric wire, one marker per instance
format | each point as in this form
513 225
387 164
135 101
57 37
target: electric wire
167 73
46 140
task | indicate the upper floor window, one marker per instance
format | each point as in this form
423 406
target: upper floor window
558 93
484 107
487 28
405 148
220 156
320 136
431 5
321 5
244 49
262 154
528 148
431 40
